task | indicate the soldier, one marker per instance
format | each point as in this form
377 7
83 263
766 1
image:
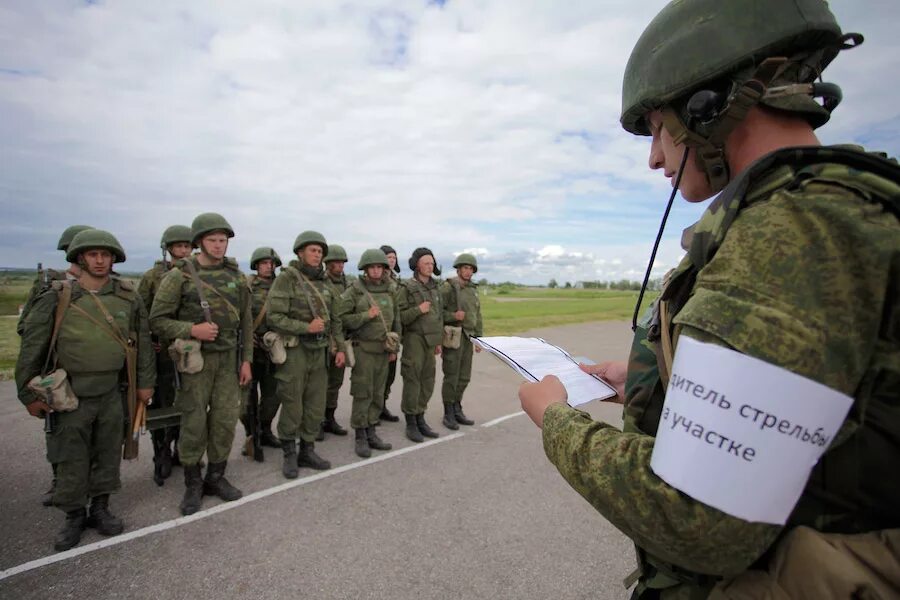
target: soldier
422 317
86 327
334 270
305 311
176 240
393 271
785 279
374 318
204 298
261 394
461 309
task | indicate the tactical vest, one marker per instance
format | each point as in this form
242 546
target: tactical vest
259 291
310 298
465 299
431 323
852 489
371 335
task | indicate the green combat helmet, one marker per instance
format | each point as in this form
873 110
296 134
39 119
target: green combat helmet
263 253
372 256
66 238
208 223
336 252
91 239
705 63
175 234
310 237
466 259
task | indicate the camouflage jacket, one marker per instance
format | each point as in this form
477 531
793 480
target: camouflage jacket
371 332
410 295
176 306
791 264
465 298
259 292
299 295
85 347
150 280
41 284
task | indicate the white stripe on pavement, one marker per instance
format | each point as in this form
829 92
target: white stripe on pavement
503 418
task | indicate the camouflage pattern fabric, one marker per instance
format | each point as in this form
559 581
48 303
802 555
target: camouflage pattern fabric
335 374
795 263
39 286
150 281
262 367
456 363
422 333
392 366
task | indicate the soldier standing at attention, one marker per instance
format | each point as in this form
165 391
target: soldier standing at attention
205 298
791 282
461 309
305 311
262 389
86 327
176 240
334 271
394 271
423 327
374 318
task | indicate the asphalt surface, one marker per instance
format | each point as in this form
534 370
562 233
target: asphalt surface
477 515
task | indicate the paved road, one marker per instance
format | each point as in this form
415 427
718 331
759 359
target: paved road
478 515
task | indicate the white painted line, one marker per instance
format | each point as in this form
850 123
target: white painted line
503 418
219 508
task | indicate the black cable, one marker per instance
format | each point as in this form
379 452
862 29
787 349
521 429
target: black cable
662 227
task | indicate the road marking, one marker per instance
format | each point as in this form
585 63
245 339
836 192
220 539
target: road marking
214 510
503 418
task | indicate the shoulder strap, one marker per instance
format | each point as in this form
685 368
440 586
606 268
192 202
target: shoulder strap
189 265
304 283
259 318
62 303
373 303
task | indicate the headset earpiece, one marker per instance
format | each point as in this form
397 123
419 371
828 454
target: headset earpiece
704 105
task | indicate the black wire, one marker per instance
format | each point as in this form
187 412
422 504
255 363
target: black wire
662 227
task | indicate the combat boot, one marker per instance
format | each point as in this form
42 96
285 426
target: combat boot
374 441
320 437
424 428
70 534
330 425
162 457
101 519
193 490
412 429
449 419
387 415
215 483
307 457
461 417
289 466
267 438
362 444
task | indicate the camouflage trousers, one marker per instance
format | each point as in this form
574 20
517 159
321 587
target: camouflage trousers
367 388
164 394
417 366
335 381
267 392
391 376
457 368
210 403
302 383
86 446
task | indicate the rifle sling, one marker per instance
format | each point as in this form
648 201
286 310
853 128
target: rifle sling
62 304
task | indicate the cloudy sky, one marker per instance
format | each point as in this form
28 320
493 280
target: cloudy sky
485 125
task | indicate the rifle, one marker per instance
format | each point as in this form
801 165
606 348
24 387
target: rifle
253 444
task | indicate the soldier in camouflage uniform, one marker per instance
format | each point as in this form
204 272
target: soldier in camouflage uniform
305 311
176 241
334 271
461 309
372 315
209 400
394 272
102 317
789 265
422 316
264 261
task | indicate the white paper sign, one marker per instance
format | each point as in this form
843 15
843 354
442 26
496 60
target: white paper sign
740 434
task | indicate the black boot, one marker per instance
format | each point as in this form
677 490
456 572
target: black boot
461 417
330 425
101 519
412 429
47 500
289 466
320 437
449 420
307 457
362 444
70 534
267 438
376 442
193 489
424 428
387 415
215 483
162 457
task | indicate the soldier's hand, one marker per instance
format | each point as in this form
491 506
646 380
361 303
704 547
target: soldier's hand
246 375
437 350
374 311
477 349
340 359
536 397
317 325
612 372
459 315
425 307
38 409
205 332
144 395
392 358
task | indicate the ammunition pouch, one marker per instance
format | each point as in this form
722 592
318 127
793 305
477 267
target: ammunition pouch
452 337
392 342
187 356
55 389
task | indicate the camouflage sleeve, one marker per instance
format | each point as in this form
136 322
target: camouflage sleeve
409 308
279 300
146 357
336 324
163 314
145 289
246 323
26 307
353 320
479 321
446 291
35 343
